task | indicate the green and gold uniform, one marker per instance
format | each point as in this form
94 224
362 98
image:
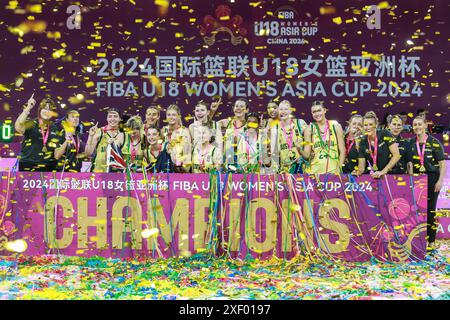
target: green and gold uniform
325 150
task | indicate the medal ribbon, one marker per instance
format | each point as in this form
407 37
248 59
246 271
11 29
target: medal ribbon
203 156
327 130
325 147
76 142
421 153
349 145
248 146
133 151
289 140
236 139
374 153
45 136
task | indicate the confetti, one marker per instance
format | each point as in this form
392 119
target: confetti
196 276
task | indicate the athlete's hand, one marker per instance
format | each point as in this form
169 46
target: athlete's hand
377 174
215 104
438 186
262 124
30 103
93 130
69 137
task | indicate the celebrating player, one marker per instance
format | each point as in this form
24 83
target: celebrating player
133 148
179 140
272 112
100 138
152 116
426 156
395 126
70 147
206 157
202 118
37 145
326 138
287 141
156 156
378 149
352 140
234 132
252 151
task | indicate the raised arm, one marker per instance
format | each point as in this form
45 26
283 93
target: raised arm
61 150
341 144
92 141
214 107
19 125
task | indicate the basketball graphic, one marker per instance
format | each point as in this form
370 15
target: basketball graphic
8 227
399 208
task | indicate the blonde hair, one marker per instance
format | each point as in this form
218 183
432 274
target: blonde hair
353 117
420 117
350 121
177 109
154 107
287 103
135 123
371 115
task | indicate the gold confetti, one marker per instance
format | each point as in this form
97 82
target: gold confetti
337 20
327 10
383 5
28 26
59 53
34 8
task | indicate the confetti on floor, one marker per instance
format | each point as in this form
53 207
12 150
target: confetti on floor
202 277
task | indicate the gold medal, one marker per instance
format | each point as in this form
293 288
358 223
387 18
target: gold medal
375 167
44 149
421 154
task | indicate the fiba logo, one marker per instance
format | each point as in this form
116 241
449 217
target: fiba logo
286 12
285 28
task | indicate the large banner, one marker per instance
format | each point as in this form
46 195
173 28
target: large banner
443 202
118 215
443 207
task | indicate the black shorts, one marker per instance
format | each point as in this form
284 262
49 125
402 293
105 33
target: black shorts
36 167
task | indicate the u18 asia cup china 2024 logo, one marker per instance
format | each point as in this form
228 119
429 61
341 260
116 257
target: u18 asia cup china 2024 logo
283 27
